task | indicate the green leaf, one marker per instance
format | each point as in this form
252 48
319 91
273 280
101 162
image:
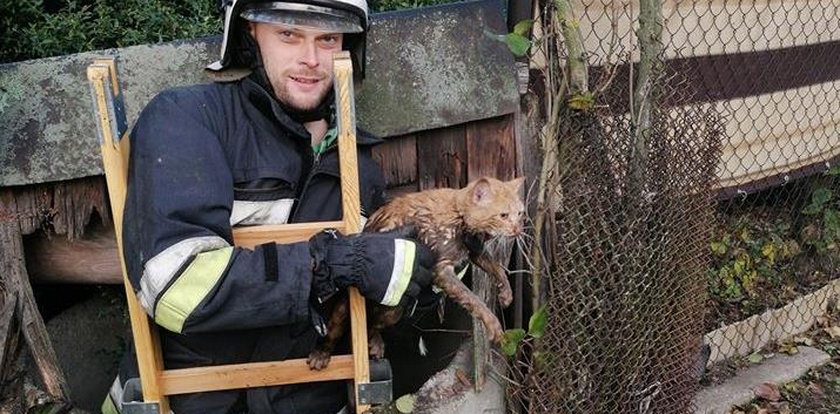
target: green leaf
511 340
833 170
517 44
719 248
769 251
821 196
582 101
523 26
536 325
405 404
755 358
831 219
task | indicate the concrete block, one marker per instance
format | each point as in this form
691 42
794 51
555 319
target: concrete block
778 370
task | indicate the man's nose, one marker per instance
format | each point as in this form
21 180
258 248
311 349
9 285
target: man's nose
309 56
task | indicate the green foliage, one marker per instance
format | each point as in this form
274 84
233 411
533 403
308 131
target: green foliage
823 233
28 31
388 5
517 41
511 340
753 251
517 44
754 256
582 101
521 28
536 325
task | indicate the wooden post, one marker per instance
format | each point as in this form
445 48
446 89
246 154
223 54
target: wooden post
115 149
11 400
351 208
13 278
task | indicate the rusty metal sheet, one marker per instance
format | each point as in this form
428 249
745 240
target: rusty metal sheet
427 68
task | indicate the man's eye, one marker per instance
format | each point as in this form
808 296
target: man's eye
329 40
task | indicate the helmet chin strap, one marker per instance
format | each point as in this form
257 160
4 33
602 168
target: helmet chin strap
250 55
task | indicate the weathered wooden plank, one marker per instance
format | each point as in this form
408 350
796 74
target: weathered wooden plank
9 334
397 158
492 148
427 68
529 162
442 158
62 208
13 278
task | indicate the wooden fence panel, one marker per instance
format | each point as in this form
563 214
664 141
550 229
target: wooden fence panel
442 158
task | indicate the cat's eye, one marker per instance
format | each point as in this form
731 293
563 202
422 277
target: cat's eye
504 215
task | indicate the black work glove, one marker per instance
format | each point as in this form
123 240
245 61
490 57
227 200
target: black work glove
387 267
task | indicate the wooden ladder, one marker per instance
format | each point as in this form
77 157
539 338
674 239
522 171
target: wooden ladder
158 383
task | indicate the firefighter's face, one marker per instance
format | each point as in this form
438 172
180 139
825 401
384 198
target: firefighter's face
298 62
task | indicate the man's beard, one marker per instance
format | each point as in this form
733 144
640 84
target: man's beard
291 101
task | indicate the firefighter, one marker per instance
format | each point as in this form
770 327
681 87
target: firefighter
258 148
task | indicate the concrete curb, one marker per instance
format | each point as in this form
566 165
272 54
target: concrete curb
755 332
778 370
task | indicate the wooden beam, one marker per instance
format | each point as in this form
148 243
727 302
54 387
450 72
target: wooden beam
281 233
255 374
93 258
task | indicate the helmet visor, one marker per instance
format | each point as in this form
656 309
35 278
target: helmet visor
303 15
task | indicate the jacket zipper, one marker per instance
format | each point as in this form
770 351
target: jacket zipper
316 160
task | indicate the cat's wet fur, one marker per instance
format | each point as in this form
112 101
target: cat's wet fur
454 224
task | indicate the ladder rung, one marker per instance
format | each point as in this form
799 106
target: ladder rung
254 374
281 233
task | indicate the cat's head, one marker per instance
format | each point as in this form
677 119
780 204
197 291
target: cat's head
493 207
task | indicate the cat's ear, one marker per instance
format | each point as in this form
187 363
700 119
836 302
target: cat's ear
481 192
516 184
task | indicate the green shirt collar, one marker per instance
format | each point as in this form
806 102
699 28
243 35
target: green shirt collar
329 138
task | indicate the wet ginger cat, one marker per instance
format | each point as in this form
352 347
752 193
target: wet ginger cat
454 224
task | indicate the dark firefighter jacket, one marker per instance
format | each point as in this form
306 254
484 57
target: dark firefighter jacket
203 159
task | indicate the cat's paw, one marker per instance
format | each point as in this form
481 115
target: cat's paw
493 329
318 359
505 295
376 347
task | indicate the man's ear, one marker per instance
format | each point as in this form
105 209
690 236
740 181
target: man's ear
251 27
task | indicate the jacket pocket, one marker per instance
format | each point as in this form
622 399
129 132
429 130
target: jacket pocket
262 201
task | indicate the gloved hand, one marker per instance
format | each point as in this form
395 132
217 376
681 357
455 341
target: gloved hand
387 267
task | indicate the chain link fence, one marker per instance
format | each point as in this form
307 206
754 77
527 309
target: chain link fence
687 218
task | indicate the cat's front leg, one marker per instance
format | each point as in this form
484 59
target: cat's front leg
382 317
320 357
447 281
499 275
